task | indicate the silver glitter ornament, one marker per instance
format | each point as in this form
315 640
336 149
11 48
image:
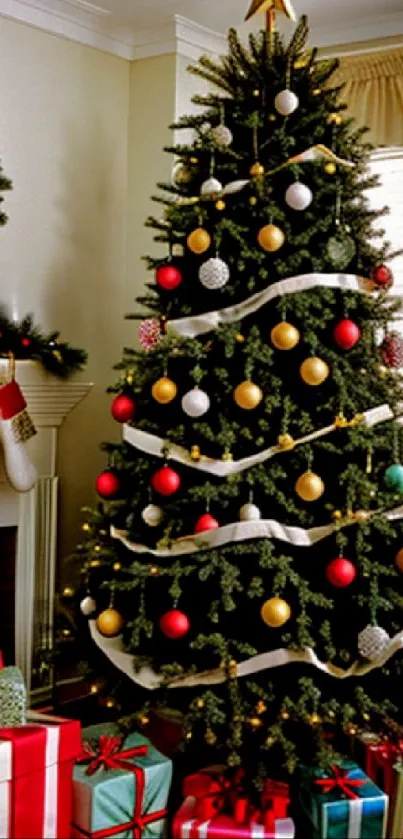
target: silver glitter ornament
152 515
372 642
286 102
214 273
88 606
250 512
222 135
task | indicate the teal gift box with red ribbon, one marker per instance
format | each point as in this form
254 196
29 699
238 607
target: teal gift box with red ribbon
342 803
120 787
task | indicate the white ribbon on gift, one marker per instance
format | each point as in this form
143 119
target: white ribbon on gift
157 447
242 531
195 325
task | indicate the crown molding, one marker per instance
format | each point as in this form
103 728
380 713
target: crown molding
90 24
77 20
338 39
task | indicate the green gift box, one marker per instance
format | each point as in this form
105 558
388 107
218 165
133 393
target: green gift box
13 698
122 788
343 803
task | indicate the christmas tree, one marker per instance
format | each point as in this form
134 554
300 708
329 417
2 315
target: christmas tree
241 566
5 184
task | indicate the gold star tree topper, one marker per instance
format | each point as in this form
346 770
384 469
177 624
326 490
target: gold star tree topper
271 7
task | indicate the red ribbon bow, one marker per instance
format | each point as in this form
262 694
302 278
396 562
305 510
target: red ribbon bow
109 756
341 781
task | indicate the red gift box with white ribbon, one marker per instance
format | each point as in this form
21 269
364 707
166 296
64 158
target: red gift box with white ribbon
36 765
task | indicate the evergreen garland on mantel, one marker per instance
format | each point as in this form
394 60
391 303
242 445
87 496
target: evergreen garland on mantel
26 342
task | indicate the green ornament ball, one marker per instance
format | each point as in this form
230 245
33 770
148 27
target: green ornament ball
394 477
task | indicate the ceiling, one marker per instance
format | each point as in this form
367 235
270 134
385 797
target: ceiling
220 15
138 28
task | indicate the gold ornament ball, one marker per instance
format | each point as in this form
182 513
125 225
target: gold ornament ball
314 371
109 623
117 566
164 390
248 395
220 205
330 168
285 715
309 486
399 559
275 612
257 170
285 336
199 240
256 93
200 703
86 527
271 238
253 201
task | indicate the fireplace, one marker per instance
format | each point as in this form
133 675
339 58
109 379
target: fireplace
29 528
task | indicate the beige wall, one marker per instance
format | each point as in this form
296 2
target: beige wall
63 140
152 110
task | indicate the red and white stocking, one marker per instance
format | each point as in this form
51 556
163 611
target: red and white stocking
16 427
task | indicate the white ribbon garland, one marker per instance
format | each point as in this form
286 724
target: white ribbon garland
241 531
153 445
147 678
200 324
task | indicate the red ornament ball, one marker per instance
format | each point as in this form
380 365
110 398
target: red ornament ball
174 624
341 572
166 481
25 342
123 408
382 275
392 351
346 334
206 522
168 277
108 484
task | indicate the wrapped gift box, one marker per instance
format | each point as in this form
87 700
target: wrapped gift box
216 805
36 765
187 826
13 697
122 788
343 803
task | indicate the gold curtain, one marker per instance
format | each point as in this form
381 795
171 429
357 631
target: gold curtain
374 93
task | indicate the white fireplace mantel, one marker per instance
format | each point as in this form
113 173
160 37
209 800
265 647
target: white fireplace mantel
49 400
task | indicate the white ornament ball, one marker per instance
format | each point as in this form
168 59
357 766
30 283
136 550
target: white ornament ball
211 187
372 642
152 515
286 102
195 403
222 135
214 273
88 606
249 512
298 196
